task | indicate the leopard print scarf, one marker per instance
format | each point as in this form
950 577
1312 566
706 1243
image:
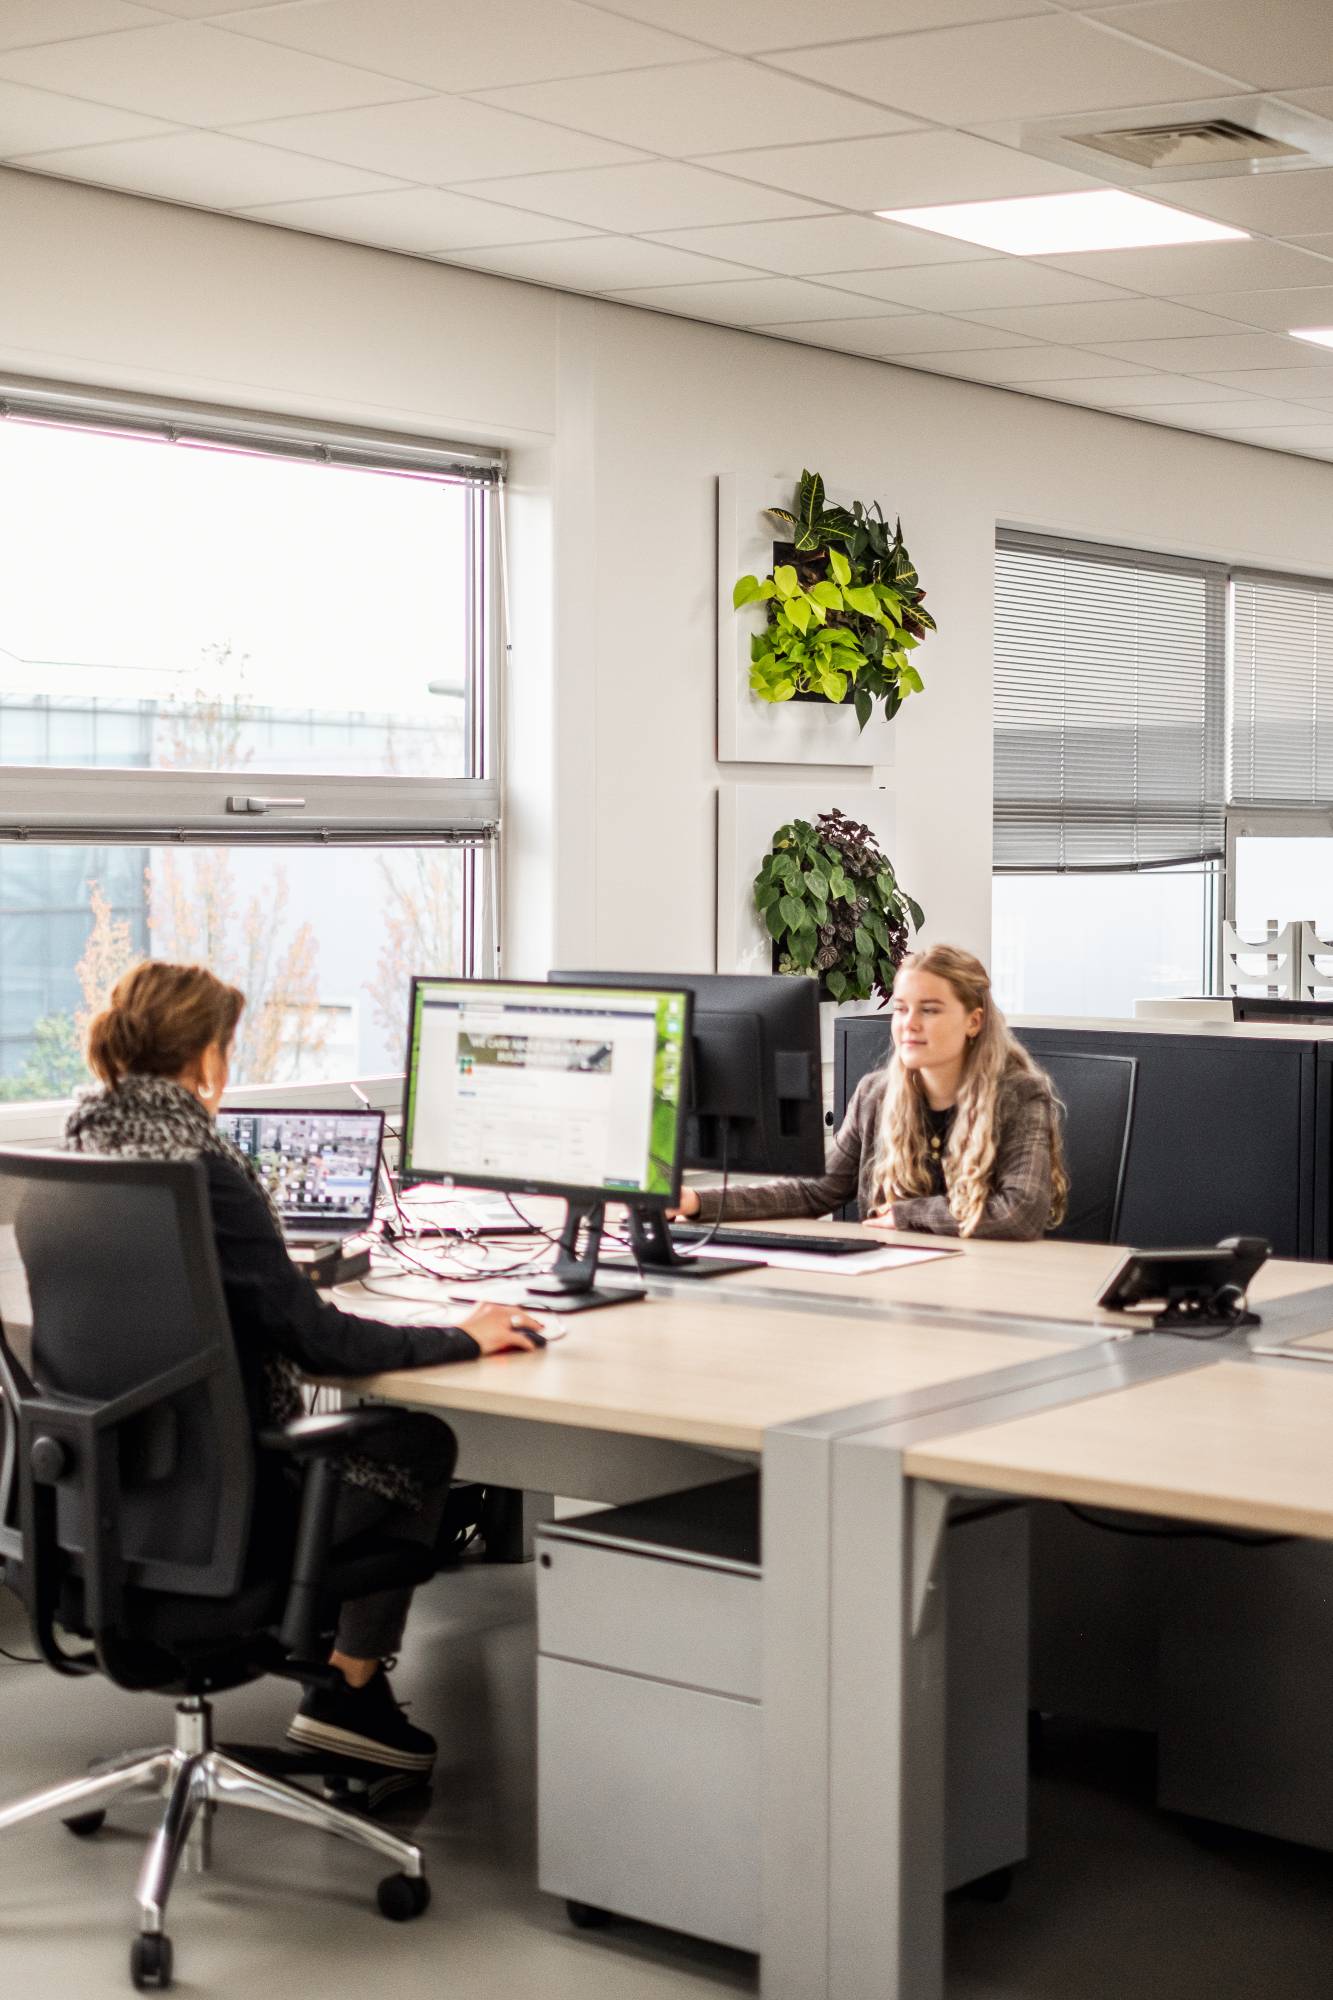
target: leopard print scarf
151 1118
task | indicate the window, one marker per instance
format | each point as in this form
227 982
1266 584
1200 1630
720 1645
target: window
246 717
1170 723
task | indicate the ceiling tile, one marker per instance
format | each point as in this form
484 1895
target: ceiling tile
1305 384
1038 68
37 121
457 45
23 22
700 108
609 264
208 168
1318 436
899 172
1282 202
1281 46
196 9
437 139
1177 268
196 74
1318 402
1212 355
1032 364
1112 319
1318 246
1256 413
915 333
1309 305
1136 394
999 281
752 25
752 301
662 195
826 243
429 221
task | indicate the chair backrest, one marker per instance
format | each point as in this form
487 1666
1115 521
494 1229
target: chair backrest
115 1342
1097 1098
1097 1093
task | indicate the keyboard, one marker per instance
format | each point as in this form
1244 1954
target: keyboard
729 1237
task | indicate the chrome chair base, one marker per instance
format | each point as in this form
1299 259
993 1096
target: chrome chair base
193 1778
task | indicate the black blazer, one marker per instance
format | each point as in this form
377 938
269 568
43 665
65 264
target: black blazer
273 1305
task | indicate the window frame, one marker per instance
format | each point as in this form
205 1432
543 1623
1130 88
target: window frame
123 806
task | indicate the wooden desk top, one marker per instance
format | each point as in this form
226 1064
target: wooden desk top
702 1372
1046 1280
1246 1446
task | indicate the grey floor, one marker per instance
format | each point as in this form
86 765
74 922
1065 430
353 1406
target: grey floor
1116 1901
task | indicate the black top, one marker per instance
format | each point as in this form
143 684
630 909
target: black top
939 1124
274 1305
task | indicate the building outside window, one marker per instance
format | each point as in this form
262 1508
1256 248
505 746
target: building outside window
246 718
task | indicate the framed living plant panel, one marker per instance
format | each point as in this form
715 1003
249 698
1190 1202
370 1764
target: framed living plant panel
751 731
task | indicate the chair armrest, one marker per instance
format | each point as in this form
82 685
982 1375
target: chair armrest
329 1436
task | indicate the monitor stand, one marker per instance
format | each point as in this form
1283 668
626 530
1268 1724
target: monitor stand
657 1256
568 1286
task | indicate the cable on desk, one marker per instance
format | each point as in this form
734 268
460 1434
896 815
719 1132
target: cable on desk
1192 1534
20 1659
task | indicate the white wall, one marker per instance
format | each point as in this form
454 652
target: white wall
621 421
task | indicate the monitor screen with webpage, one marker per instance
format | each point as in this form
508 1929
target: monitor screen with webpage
571 1090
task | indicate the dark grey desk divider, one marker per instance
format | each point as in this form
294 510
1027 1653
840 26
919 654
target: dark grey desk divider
1232 1134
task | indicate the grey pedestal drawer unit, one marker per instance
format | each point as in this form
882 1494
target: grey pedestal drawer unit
649 1719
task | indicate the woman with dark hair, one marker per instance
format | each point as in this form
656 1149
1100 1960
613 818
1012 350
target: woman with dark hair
161 1050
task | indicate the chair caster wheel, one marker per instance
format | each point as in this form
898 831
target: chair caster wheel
402 1897
150 1962
83 1824
587 1916
992 1888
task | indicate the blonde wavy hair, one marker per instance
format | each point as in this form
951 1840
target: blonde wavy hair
902 1153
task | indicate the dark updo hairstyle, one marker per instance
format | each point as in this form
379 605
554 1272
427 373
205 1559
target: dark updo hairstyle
160 1019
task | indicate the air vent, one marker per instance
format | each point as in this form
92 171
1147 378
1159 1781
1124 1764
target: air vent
1206 142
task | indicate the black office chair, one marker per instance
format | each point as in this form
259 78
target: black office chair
1097 1096
128 1519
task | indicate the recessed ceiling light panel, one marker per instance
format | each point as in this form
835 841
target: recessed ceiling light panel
1322 336
1052 225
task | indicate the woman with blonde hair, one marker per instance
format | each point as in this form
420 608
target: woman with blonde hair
161 1049
957 1134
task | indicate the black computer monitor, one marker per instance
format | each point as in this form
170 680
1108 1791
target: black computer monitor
574 1090
1319 1013
754 1102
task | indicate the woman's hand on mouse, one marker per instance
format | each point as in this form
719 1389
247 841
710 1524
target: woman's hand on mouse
688 1207
496 1328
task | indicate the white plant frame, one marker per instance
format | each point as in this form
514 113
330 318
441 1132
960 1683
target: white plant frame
750 731
747 818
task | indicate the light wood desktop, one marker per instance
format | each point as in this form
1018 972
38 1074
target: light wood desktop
1047 1280
1244 1445
699 1370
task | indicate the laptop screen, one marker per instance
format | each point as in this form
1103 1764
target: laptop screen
319 1166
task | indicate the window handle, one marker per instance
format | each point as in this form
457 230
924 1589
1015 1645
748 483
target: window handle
240 803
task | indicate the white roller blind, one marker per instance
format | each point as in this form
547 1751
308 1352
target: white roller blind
1282 691
1110 696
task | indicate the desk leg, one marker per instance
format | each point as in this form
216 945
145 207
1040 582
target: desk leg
796 1545
886 1730
509 1521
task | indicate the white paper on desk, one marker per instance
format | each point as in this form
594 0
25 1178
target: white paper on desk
850 1266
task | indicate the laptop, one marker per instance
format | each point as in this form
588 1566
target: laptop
321 1167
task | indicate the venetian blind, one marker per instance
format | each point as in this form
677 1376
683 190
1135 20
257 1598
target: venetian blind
1110 700
1282 691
